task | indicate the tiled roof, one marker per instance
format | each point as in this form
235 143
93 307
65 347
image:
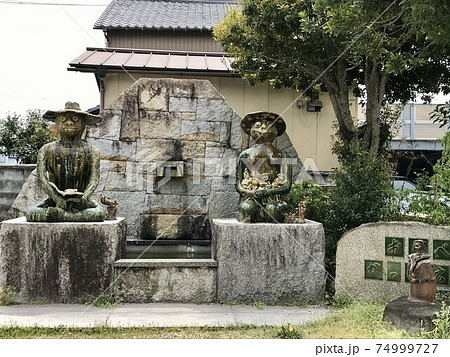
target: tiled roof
163 15
147 60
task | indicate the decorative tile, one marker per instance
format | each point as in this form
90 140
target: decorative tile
373 269
411 245
393 246
441 273
394 271
441 249
407 273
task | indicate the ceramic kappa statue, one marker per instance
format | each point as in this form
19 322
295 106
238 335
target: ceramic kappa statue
421 275
263 173
68 170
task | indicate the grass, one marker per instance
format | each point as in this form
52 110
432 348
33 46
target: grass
362 320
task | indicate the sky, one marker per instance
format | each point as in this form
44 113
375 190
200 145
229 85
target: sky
37 43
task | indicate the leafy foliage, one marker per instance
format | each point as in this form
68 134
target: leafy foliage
429 18
441 114
441 324
23 137
363 188
314 198
367 47
434 206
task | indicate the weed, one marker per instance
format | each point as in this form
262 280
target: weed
340 301
259 305
441 324
286 331
7 296
105 301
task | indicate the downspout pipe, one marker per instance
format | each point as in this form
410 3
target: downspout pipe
100 75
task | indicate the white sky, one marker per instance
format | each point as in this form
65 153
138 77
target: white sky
38 42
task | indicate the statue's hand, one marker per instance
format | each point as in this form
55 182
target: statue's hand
260 193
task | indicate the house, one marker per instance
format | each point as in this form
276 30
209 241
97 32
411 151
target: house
173 39
415 141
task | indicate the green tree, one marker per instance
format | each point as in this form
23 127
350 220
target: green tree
23 137
429 18
337 46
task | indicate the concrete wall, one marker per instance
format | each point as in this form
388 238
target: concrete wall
12 178
310 132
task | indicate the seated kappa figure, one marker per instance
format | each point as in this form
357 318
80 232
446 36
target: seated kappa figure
263 173
68 170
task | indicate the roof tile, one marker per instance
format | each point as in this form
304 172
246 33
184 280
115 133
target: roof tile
163 14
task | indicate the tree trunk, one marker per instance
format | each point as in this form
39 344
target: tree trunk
375 81
339 94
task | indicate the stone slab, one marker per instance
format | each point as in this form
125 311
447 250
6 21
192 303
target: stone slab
59 262
371 259
413 317
165 280
272 263
156 315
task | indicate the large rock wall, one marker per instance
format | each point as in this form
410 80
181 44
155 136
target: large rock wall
184 124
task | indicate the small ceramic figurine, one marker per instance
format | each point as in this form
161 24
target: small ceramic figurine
269 177
421 275
301 212
111 208
68 170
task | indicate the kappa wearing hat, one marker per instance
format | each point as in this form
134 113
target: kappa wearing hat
73 107
248 121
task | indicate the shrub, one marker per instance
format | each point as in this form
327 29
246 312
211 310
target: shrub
361 195
23 137
433 207
314 198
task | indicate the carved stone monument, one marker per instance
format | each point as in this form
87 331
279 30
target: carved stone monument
263 173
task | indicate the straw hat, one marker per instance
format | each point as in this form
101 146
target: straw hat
248 121
73 107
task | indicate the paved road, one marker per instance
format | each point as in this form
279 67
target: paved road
156 314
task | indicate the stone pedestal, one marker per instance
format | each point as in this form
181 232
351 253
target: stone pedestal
59 262
166 280
272 263
411 316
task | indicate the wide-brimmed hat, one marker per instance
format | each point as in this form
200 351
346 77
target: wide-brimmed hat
248 121
73 107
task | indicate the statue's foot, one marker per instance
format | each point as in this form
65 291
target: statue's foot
49 214
54 214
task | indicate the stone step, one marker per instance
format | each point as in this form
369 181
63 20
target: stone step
165 280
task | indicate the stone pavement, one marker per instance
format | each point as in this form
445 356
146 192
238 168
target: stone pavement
156 314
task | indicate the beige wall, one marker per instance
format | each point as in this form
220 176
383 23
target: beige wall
424 128
310 132
164 40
